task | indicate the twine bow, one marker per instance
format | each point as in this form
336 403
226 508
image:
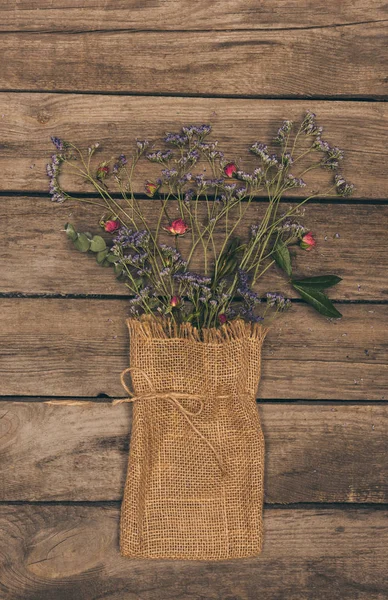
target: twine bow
174 399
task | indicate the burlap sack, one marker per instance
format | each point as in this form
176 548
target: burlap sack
194 487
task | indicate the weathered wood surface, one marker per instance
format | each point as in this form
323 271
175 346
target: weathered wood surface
55 347
314 453
347 61
183 15
28 120
67 552
38 258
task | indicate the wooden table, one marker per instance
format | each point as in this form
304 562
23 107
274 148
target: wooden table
109 71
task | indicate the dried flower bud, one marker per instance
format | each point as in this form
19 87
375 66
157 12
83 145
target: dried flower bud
151 188
175 300
308 242
177 227
102 171
222 318
230 169
112 226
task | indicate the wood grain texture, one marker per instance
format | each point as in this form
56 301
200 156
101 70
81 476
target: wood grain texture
55 347
65 552
347 61
314 453
38 258
44 15
28 120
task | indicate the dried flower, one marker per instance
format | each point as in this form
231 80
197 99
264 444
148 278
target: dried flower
102 171
343 189
230 169
112 225
277 301
59 144
151 188
177 227
175 301
222 318
308 242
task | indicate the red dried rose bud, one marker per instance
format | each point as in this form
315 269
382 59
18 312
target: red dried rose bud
222 319
230 169
177 227
112 226
151 188
308 242
102 171
175 300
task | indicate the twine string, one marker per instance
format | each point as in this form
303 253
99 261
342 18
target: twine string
174 399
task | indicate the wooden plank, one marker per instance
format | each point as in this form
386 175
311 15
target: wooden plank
44 15
38 258
55 347
81 452
323 61
72 551
28 120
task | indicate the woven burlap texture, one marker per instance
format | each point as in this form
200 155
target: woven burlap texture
182 500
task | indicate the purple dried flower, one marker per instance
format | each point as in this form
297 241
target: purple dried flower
142 145
283 131
293 182
169 174
342 188
188 196
59 144
159 156
176 139
277 301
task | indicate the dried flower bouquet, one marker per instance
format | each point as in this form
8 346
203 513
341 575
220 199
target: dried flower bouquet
199 316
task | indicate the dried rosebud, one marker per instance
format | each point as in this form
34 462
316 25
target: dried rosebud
112 225
102 171
175 300
177 227
151 188
230 169
308 242
222 318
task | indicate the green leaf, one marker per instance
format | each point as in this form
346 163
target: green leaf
82 243
322 282
100 256
97 244
319 301
112 258
118 269
71 232
282 257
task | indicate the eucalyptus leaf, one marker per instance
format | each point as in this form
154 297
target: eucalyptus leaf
322 282
319 301
282 257
100 256
82 243
112 258
71 232
97 244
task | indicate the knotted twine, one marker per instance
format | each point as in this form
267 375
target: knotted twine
174 398
194 487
